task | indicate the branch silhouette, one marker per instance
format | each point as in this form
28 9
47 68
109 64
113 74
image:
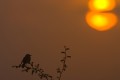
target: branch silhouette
28 66
63 61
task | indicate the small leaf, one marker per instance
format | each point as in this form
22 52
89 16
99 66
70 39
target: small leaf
64 69
62 52
62 60
67 49
58 71
50 76
64 46
69 56
65 65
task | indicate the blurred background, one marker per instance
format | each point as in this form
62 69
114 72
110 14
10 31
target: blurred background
43 27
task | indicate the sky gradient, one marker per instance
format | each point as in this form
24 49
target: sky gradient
43 27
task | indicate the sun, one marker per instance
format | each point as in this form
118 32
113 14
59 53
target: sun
100 16
102 5
101 21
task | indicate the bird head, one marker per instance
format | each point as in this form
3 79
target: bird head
28 55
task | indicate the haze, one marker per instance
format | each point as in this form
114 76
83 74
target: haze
43 27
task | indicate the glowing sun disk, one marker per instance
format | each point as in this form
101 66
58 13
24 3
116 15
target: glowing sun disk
101 21
102 5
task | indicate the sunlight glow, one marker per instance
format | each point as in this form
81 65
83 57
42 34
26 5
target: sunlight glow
101 21
102 5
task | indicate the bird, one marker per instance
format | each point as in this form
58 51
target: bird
26 60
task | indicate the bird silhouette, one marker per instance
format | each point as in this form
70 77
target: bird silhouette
26 60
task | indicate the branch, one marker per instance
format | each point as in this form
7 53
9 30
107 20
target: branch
35 68
63 61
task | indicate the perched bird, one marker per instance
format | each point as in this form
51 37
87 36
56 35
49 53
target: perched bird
26 60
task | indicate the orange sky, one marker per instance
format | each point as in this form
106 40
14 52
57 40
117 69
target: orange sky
43 27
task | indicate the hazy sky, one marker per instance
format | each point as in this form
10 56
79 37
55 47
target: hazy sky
43 27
